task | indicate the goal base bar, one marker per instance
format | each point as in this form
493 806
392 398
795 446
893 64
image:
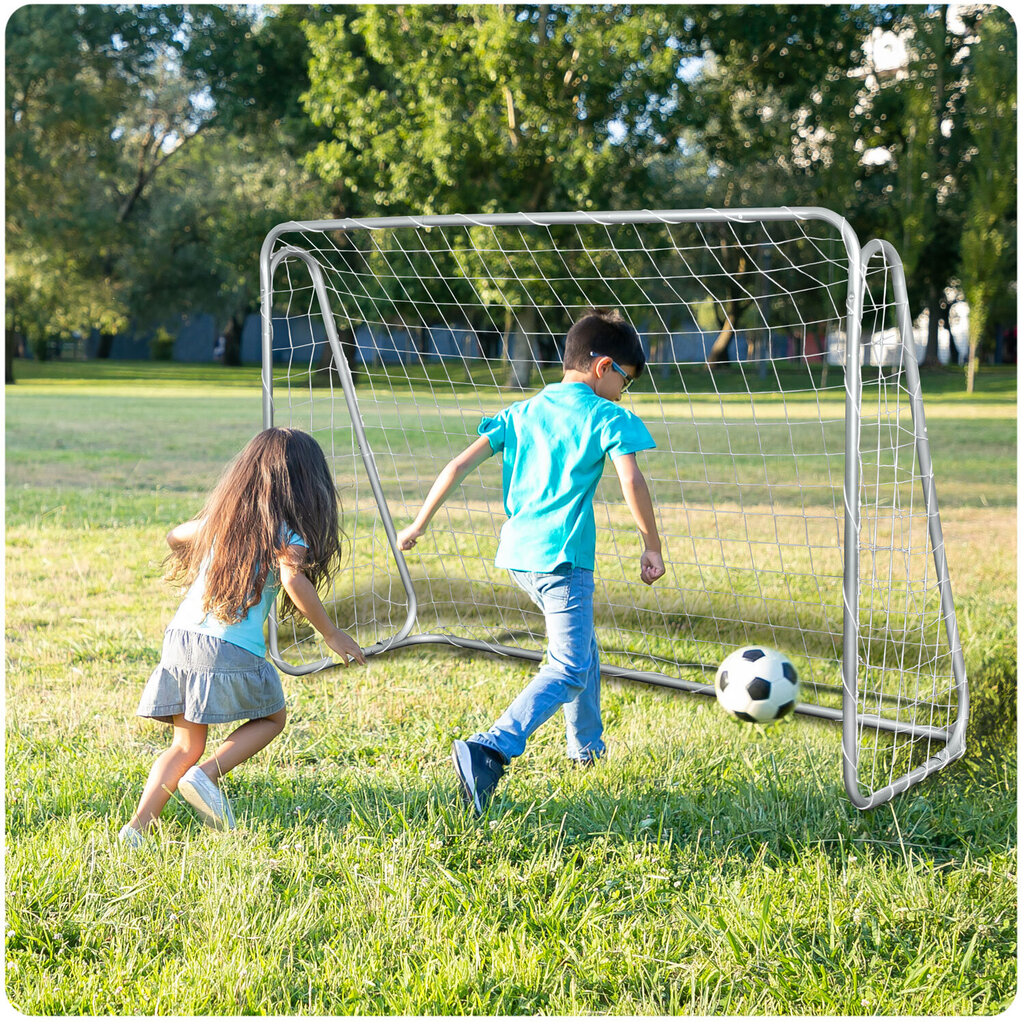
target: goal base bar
917 732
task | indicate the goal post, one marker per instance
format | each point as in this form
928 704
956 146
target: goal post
792 476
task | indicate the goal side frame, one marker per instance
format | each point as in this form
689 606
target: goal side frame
271 256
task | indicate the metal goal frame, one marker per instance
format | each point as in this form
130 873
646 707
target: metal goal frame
953 739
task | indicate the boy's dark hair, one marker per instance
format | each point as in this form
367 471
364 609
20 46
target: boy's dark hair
605 332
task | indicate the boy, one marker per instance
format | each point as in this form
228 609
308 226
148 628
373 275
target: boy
554 446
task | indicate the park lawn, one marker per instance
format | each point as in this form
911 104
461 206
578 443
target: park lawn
705 867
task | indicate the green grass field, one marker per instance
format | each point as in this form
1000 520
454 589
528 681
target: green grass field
705 867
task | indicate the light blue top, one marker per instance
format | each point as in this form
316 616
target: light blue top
248 633
554 447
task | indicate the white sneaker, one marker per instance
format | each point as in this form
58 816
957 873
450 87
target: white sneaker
131 837
205 796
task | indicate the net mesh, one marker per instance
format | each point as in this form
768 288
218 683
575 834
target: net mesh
442 325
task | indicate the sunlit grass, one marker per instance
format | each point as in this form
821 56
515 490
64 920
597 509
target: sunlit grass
706 867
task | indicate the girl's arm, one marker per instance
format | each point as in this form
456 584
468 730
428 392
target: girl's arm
638 498
307 600
180 535
447 480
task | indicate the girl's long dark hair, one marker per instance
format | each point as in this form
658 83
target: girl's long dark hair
280 477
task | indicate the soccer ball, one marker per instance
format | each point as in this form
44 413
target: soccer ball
757 684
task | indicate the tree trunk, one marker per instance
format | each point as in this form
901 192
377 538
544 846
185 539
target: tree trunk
233 341
326 370
506 338
106 343
11 344
719 353
980 301
931 352
733 311
521 350
972 358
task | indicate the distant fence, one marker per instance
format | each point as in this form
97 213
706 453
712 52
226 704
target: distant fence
196 340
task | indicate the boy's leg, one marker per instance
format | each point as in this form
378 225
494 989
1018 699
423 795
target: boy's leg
567 600
583 727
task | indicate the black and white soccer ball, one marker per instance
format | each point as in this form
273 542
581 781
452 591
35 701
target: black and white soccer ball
757 684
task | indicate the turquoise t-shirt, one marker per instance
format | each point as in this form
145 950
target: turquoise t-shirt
554 446
248 633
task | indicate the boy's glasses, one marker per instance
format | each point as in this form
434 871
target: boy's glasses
618 369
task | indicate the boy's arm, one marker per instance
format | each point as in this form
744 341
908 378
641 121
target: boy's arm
307 600
638 498
447 481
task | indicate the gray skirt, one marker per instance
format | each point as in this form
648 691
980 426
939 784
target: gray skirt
209 680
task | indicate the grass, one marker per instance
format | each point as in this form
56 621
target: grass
705 868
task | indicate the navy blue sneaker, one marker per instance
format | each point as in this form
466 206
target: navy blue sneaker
479 770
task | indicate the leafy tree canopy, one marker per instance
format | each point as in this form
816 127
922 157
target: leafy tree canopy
481 107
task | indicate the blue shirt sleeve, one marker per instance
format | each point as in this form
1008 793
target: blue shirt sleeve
292 537
493 428
623 432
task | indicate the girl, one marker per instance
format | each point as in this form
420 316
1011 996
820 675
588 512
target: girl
271 522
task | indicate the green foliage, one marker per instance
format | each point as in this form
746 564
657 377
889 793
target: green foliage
773 107
94 112
438 109
256 69
150 148
133 195
198 249
991 113
954 103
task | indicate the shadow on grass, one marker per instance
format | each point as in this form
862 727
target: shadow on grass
965 813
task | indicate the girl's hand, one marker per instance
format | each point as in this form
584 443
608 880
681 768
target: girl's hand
407 538
342 644
183 534
651 567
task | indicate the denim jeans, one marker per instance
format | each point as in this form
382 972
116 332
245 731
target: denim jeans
570 674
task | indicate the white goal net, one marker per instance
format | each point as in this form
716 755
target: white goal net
791 479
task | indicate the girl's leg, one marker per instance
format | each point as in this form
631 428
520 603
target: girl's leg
245 741
187 746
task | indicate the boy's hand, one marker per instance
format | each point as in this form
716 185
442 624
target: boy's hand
651 567
342 644
447 480
407 538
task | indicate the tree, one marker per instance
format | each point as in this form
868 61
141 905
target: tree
528 107
200 246
766 121
990 218
917 111
256 68
147 156
932 198
474 108
771 120
97 105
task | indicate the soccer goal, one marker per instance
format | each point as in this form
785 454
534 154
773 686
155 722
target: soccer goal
792 477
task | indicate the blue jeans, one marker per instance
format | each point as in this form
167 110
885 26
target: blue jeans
570 674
